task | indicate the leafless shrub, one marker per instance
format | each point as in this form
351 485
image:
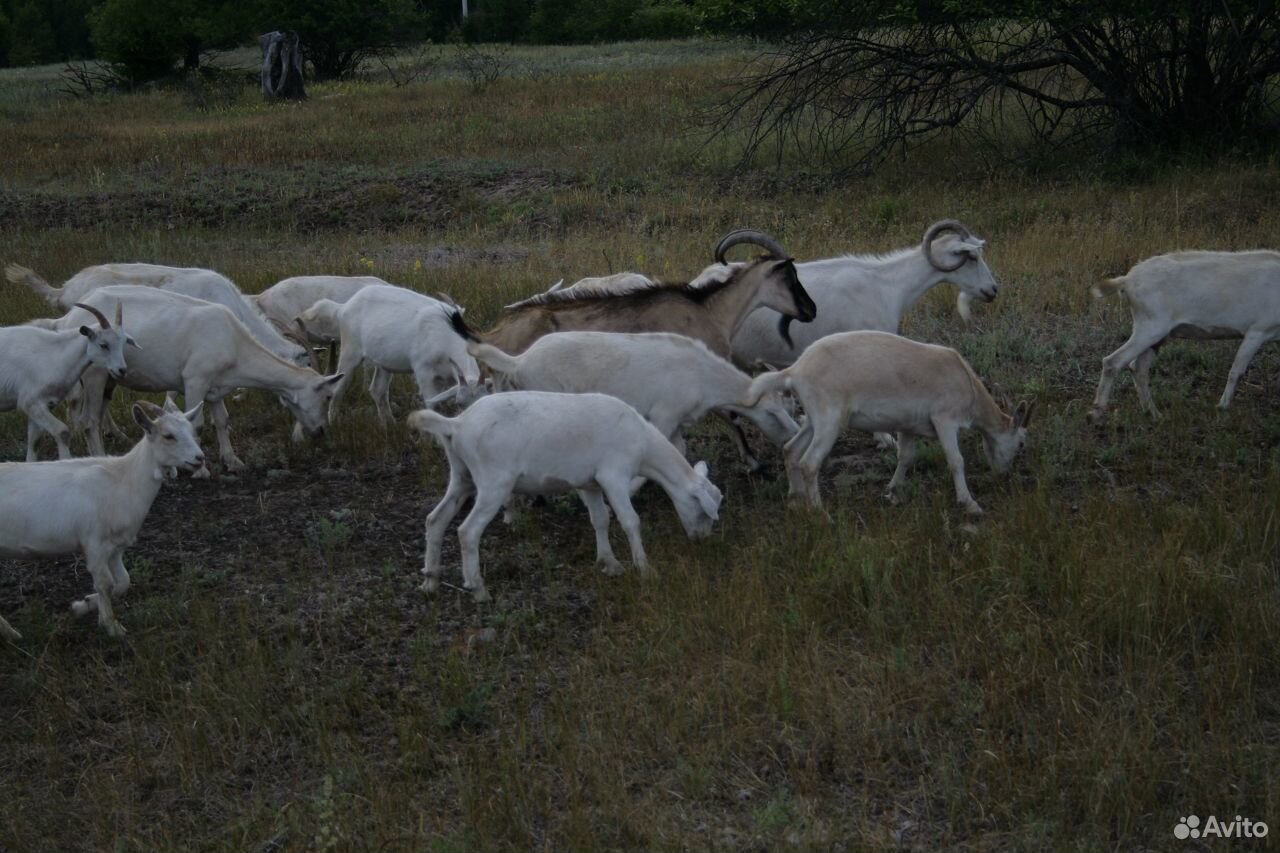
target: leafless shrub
483 65
85 79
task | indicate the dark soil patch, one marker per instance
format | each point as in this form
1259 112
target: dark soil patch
308 197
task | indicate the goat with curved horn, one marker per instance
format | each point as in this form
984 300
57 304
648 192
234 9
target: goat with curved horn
751 236
102 318
941 227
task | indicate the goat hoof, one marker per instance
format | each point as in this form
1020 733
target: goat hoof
480 595
234 465
115 629
80 608
973 509
612 569
1095 415
430 585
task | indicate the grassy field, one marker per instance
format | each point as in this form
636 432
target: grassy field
1097 659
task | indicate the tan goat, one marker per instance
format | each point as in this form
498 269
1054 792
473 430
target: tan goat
880 382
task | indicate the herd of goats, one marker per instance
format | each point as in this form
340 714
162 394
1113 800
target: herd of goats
588 388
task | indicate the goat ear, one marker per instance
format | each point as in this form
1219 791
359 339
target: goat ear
700 468
1025 409
88 333
329 380
708 502
141 418
194 412
131 342
170 406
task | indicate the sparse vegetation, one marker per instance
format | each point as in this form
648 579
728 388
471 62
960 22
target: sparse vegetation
1100 657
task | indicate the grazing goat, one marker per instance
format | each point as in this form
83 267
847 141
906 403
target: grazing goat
202 351
880 382
671 380
397 331
1203 295
873 292
39 367
285 301
185 281
95 506
534 442
710 314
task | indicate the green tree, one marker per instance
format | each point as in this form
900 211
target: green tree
337 35
31 37
146 38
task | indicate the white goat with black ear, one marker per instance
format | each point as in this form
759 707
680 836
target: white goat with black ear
1202 295
533 442
39 367
672 380
202 351
880 382
397 331
185 281
856 292
95 506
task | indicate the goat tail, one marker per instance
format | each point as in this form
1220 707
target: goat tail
27 276
1108 286
493 358
460 325
767 383
431 423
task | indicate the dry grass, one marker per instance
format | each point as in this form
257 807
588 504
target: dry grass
1099 658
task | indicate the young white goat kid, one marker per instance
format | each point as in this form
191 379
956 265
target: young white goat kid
671 380
1203 295
397 331
534 442
39 367
96 505
880 382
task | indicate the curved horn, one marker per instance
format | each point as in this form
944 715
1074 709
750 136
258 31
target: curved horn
748 235
102 318
939 227
119 314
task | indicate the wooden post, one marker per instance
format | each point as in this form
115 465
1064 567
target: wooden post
281 66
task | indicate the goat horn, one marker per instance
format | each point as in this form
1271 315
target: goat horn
119 314
102 318
749 235
940 227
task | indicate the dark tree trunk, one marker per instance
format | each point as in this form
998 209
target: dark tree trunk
281 66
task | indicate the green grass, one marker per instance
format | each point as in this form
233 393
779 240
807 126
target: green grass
1098 659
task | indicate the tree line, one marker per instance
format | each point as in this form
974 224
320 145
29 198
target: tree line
148 39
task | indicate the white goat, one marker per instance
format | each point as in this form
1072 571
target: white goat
202 351
672 380
1203 295
857 292
285 301
397 331
185 281
95 506
880 382
534 442
38 367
